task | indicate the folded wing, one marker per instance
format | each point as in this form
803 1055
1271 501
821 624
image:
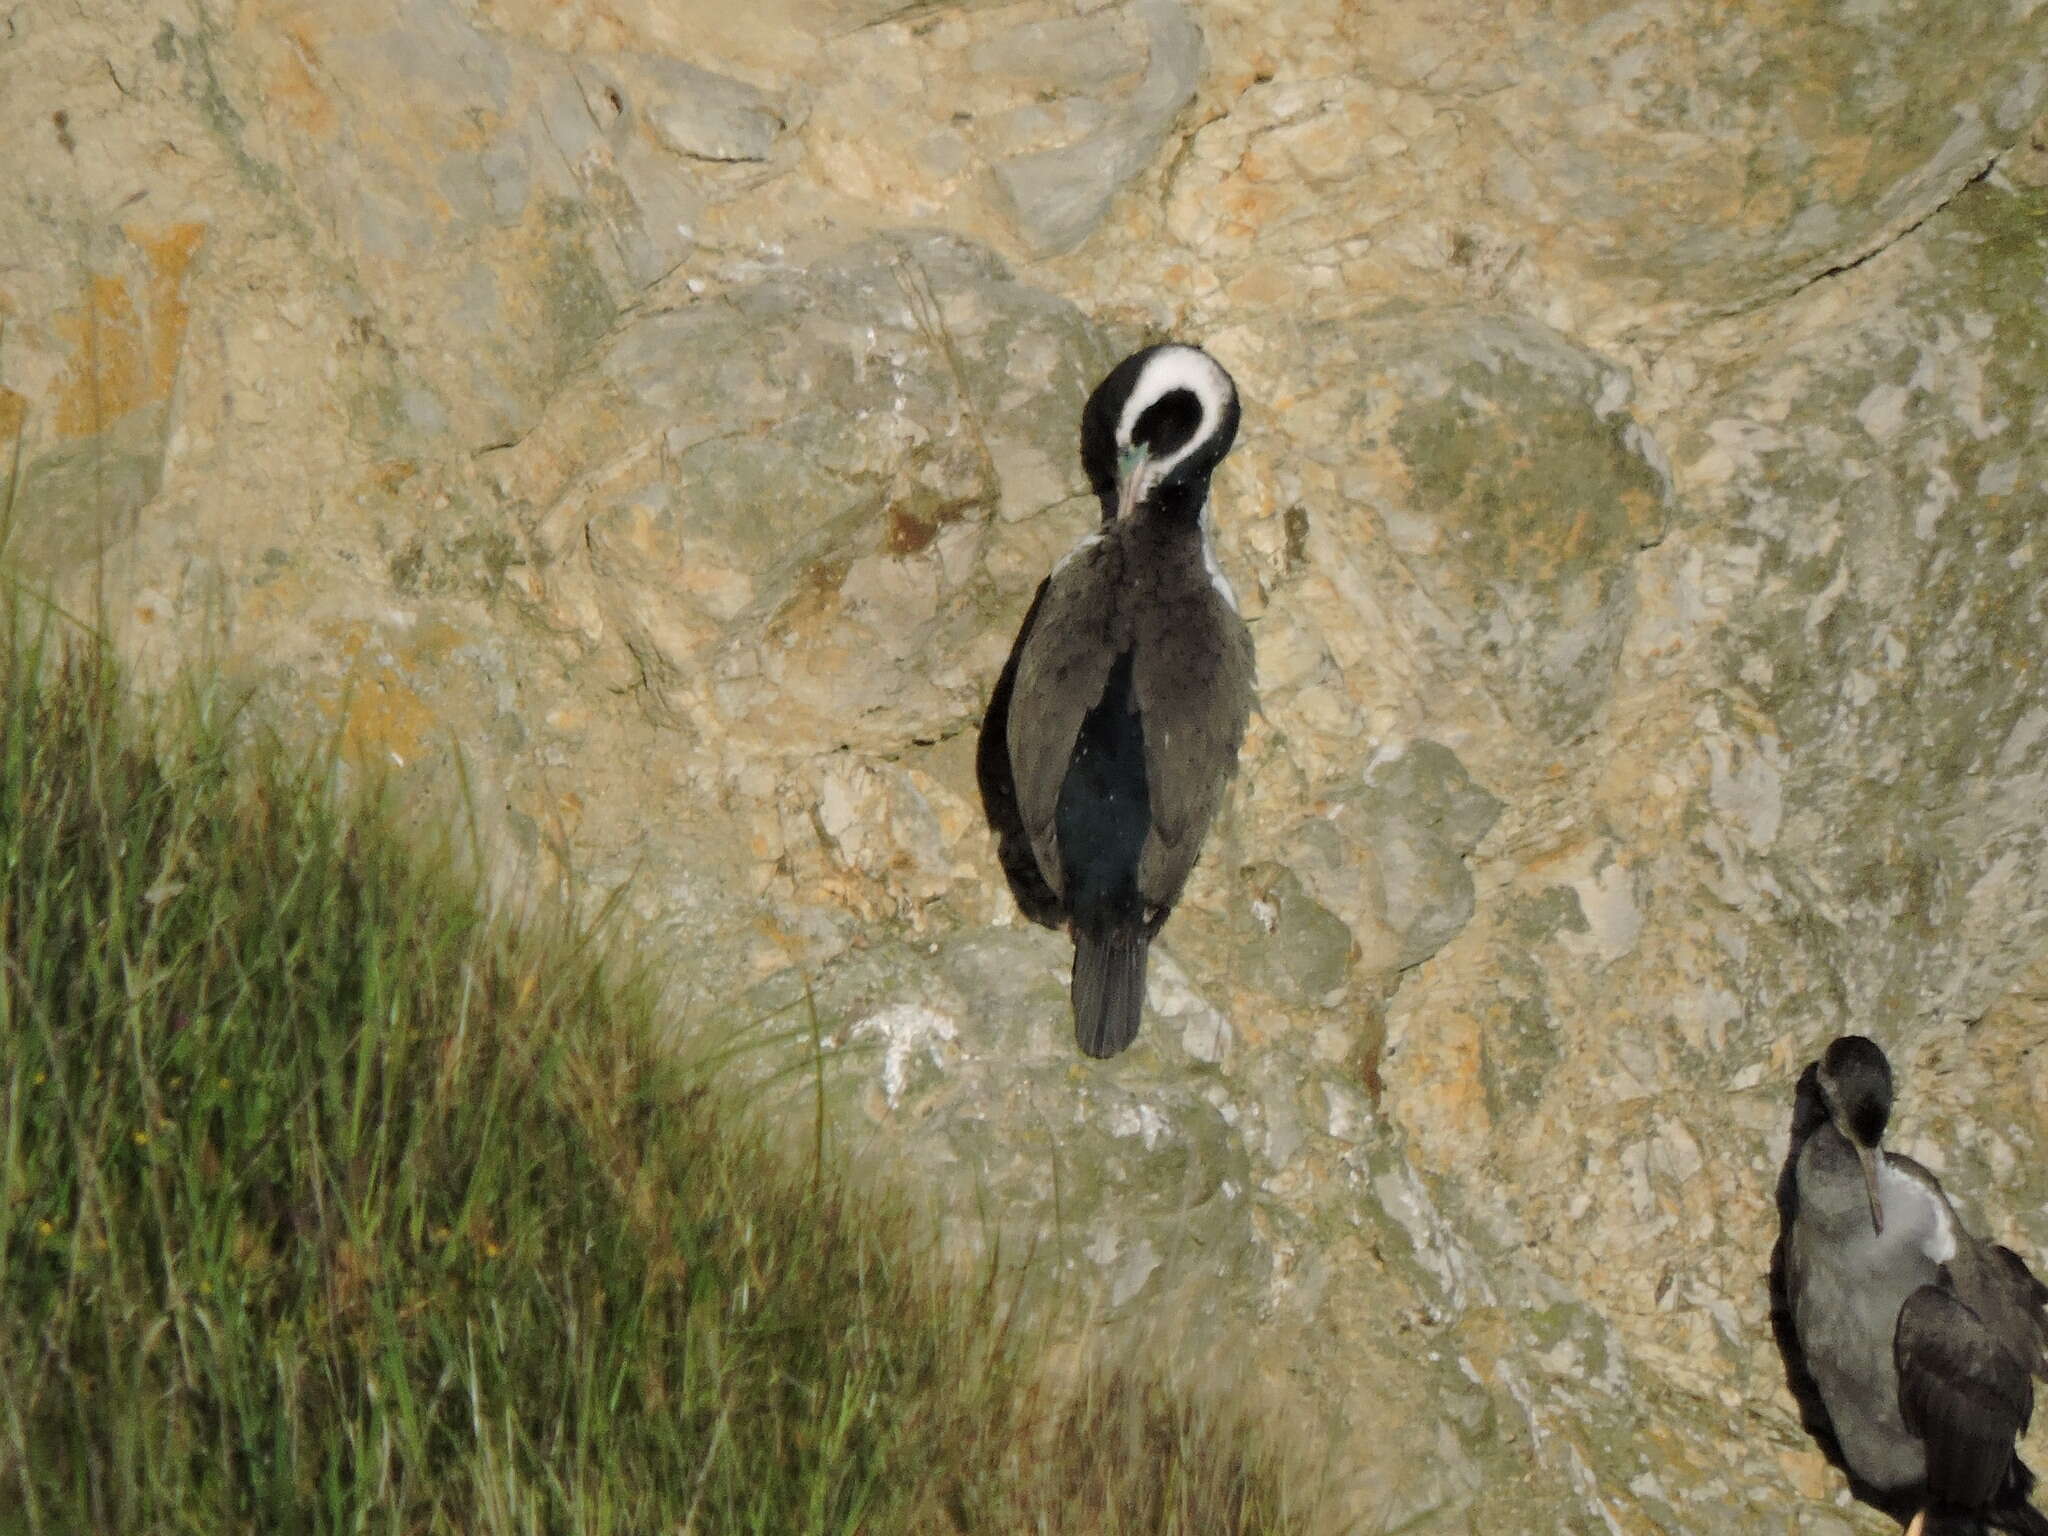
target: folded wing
1962 1392
1061 670
1194 681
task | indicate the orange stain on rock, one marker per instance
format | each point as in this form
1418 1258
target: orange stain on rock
291 86
1443 1102
169 253
381 718
381 715
125 357
106 377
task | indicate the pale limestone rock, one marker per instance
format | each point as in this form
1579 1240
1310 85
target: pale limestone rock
699 114
1060 195
1645 695
786 567
1502 471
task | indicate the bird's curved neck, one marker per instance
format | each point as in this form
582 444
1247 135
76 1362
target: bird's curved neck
1916 1213
1180 502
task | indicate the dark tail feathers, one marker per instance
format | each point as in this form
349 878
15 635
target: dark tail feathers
2023 1519
2018 1514
2014 1519
1109 988
2011 1513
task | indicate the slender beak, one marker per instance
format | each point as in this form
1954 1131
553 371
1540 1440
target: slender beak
1867 1156
1130 478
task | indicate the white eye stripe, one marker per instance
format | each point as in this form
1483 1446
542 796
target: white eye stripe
1166 370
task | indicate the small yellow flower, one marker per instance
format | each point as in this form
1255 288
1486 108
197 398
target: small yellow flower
41 1078
46 1227
226 1083
491 1249
140 1138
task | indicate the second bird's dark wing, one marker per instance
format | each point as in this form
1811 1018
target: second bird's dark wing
1194 679
2019 1307
1962 1392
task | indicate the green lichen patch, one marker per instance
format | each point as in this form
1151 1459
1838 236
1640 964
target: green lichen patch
1528 484
576 302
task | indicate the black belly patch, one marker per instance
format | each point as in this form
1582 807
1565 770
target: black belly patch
1105 810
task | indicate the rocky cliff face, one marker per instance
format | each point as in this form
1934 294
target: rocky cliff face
670 409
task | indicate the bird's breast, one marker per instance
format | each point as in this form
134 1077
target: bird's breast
1916 1216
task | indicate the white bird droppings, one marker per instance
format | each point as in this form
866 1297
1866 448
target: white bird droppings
905 1028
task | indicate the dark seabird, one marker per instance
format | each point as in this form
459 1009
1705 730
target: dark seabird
1117 720
1920 1338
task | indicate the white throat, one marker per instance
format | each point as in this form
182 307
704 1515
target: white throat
1914 1213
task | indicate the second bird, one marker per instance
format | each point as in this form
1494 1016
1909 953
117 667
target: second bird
1131 682
1920 1335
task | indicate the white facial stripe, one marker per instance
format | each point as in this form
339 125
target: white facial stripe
1166 370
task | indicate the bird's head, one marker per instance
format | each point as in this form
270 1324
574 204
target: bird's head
1856 1086
1161 421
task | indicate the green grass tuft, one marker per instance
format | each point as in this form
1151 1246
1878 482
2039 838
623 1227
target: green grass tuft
328 1204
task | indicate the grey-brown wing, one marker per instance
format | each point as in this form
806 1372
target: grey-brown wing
2030 1298
1996 1284
1194 677
1060 676
1036 898
1962 1392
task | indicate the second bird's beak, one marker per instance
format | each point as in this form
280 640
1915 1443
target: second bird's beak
1130 478
1867 1156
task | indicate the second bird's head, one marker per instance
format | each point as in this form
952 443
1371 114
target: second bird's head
1163 419
1856 1085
